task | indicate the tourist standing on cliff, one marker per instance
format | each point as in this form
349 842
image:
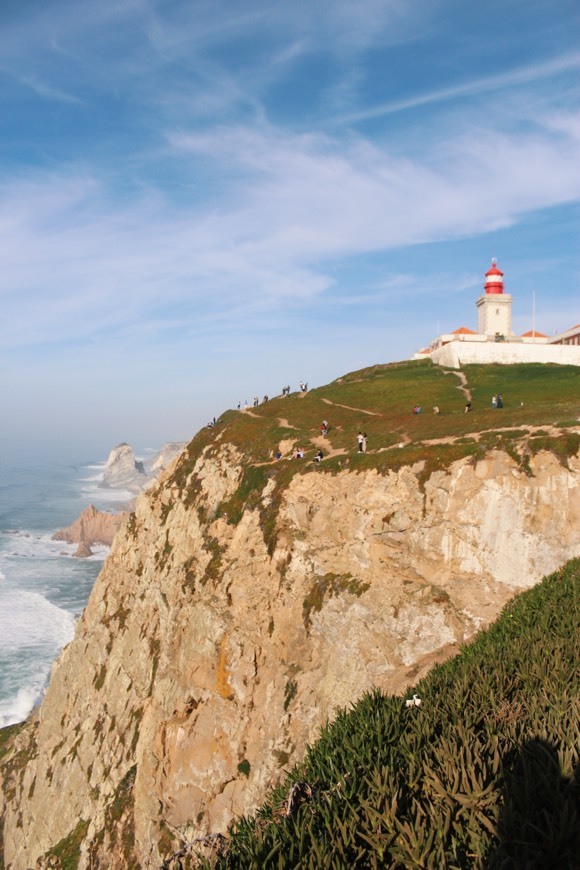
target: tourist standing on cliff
360 438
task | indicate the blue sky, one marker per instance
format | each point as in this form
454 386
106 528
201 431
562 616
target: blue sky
203 201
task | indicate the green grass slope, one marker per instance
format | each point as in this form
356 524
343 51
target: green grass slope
541 409
480 775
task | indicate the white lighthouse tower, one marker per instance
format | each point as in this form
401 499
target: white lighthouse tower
494 308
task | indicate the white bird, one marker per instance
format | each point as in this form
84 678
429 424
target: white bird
415 701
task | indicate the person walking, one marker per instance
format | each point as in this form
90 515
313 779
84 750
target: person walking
360 439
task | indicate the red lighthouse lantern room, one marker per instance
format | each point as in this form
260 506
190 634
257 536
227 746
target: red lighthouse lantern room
493 279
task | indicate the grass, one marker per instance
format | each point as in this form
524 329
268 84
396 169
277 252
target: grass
548 392
379 401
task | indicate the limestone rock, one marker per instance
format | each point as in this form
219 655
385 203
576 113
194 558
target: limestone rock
211 652
91 527
165 457
83 551
122 471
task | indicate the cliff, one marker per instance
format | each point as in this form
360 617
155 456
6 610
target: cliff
246 599
91 527
124 471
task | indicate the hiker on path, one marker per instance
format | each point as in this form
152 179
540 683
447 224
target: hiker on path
499 401
364 442
467 407
417 409
324 428
360 438
318 456
494 401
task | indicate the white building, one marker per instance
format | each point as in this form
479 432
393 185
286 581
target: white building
494 341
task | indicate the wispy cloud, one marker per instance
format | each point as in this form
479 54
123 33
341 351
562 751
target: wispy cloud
43 89
486 84
297 207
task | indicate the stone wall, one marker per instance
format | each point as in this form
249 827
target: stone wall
458 353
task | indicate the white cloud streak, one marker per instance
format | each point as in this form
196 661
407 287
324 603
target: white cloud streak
300 205
501 81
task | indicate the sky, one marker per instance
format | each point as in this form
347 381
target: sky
204 200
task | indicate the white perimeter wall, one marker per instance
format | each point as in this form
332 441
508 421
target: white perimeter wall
457 353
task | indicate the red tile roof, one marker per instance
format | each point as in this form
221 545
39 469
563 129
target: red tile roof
463 330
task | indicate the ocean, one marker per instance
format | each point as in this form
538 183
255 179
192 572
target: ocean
43 587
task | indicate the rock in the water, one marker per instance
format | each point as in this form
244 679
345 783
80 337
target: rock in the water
83 551
122 470
92 527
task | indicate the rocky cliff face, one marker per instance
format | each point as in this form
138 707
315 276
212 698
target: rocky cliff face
124 471
214 646
91 527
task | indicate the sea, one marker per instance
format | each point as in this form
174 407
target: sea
43 586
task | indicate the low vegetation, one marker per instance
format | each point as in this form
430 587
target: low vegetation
481 774
379 401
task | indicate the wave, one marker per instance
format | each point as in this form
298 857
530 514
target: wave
32 633
18 707
28 619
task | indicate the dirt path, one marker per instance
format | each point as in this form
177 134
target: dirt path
350 408
327 447
283 422
251 414
462 387
450 439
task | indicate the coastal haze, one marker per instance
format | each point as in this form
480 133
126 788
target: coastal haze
201 203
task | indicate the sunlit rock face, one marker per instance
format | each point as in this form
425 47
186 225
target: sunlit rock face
211 652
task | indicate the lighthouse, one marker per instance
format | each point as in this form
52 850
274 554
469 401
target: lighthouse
494 316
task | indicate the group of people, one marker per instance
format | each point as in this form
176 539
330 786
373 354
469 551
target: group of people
285 392
497 401
362 442
298 453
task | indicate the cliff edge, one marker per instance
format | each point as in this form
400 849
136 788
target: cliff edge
247 598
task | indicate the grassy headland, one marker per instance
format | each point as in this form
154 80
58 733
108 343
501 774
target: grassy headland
541 405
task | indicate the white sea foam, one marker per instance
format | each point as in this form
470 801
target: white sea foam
28 619
18 707
42 587
33 546
32 632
